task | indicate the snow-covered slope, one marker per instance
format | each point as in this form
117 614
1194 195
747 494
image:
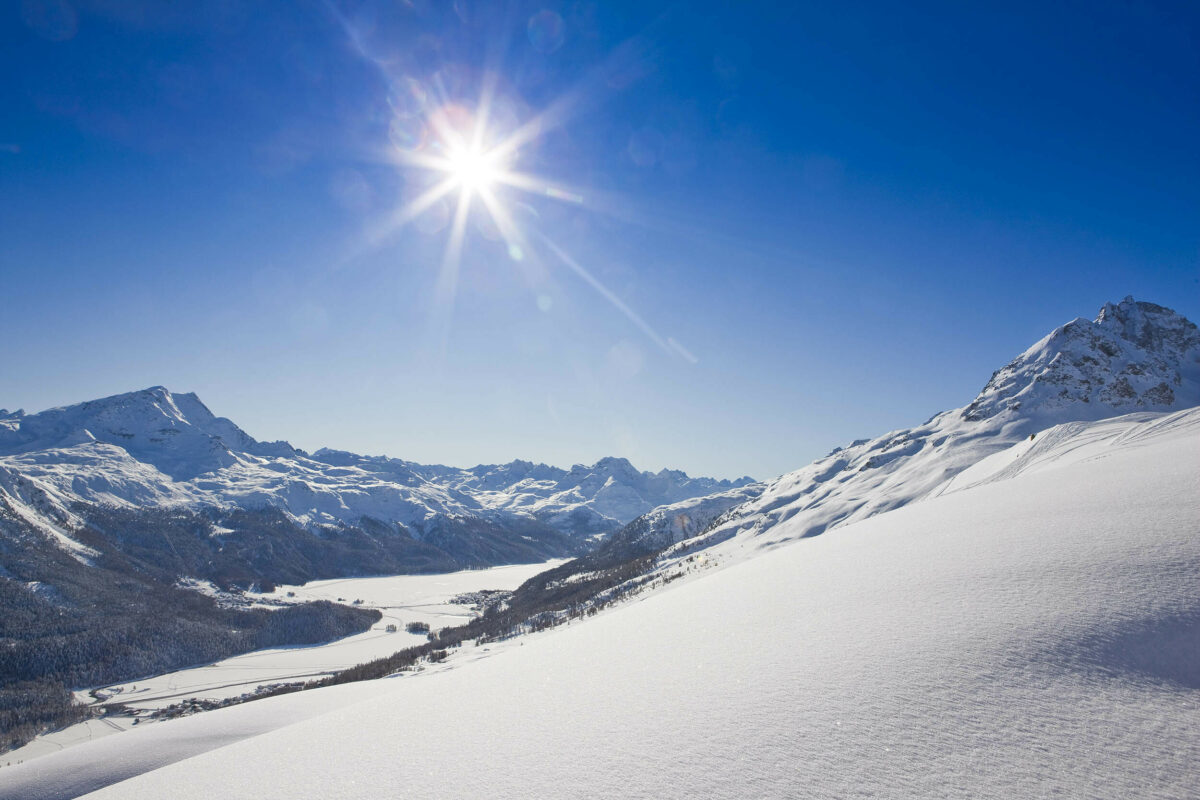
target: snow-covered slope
1135 356
1033 631
156 448
676 522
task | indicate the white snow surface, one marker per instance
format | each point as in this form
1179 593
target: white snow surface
157 448
46 512
1031 630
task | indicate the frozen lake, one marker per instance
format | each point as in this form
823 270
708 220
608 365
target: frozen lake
401 599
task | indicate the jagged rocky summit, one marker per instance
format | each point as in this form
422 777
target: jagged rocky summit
1134 356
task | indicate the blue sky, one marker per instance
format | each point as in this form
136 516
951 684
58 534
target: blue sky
799 224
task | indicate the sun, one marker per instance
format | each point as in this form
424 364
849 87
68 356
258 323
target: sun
473 157
472 169
469 154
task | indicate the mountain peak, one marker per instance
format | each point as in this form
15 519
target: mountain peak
174 432
1135 356
1152 327
615 464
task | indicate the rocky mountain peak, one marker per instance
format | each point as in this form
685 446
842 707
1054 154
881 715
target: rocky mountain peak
1135 356
1151 327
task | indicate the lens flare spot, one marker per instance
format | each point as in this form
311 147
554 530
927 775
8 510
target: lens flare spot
407 133
547 31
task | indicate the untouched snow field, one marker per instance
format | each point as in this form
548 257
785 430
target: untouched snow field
401 599
1034 632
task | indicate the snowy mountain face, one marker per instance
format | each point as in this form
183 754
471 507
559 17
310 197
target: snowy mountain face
113 513
582 500
155 449
1037 575
176 434
1134 357
159 450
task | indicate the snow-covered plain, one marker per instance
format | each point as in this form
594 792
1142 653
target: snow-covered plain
1031 631
401 599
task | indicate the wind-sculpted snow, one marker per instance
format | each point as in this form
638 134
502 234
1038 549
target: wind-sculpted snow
1031 633
156 448
1040 600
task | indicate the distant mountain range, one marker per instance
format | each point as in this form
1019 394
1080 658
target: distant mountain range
333 512
154 449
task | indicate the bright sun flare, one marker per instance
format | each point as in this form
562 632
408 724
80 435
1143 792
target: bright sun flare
449 142
472 169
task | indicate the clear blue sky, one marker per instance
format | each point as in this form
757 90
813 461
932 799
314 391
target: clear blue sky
845 215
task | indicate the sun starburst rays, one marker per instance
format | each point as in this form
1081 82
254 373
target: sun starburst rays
466 158
469 159
473 154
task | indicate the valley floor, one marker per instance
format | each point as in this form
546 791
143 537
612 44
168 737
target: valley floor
401 599
1033 633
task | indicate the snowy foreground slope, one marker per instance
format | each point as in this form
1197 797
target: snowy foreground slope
1031 631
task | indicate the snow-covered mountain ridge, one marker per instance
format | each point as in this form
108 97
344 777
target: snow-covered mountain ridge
1134 357
158 448
1031 631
